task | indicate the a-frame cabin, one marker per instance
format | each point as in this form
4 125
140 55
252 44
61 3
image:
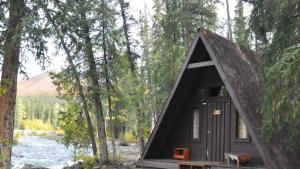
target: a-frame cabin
216 91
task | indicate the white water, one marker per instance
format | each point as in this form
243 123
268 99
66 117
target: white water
42 152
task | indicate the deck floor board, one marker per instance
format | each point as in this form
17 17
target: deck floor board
174 164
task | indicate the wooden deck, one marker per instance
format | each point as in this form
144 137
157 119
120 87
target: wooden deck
174 164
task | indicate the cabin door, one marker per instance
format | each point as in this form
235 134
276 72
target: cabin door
218 127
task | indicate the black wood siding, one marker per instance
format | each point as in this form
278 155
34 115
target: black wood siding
178 128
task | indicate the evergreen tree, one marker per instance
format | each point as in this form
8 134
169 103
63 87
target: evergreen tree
149 94
9 78
78 86
78 21
134 72
175 23
276 26
240 29
20 113
23 25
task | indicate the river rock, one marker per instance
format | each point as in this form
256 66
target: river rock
122 143
29 166
78 165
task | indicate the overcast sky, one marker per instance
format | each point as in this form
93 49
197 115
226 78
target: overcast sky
58 61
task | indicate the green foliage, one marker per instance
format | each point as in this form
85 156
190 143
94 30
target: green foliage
281 103
275 24
74 127
35 34
240 28
35 124
175 25
71 119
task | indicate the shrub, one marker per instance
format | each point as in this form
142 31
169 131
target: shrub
35 124
87 160
129 137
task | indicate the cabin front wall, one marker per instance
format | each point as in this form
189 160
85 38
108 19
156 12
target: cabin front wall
217 132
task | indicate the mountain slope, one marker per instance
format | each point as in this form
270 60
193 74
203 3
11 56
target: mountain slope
40 85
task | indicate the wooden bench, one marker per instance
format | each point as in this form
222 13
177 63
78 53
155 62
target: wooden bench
238 158
192 165
181 153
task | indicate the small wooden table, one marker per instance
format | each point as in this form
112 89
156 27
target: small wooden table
239 158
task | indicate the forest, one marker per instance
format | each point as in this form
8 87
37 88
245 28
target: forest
119 68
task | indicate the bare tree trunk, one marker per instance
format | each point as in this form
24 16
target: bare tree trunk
229 31
131 60
9 79
97 105
96 94
188 25
77 84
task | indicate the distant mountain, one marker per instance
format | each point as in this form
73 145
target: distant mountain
40 85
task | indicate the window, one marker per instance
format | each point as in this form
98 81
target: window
241 130
196 124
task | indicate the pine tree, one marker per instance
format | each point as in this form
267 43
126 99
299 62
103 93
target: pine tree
276 27
79 26
149 95
175 23
131 59
9 77
18 28
240 29
108 90
95 89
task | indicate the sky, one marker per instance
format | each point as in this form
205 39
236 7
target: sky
33 69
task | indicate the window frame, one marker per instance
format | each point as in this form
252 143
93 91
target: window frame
192 139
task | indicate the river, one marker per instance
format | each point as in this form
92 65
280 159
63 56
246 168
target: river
43 152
